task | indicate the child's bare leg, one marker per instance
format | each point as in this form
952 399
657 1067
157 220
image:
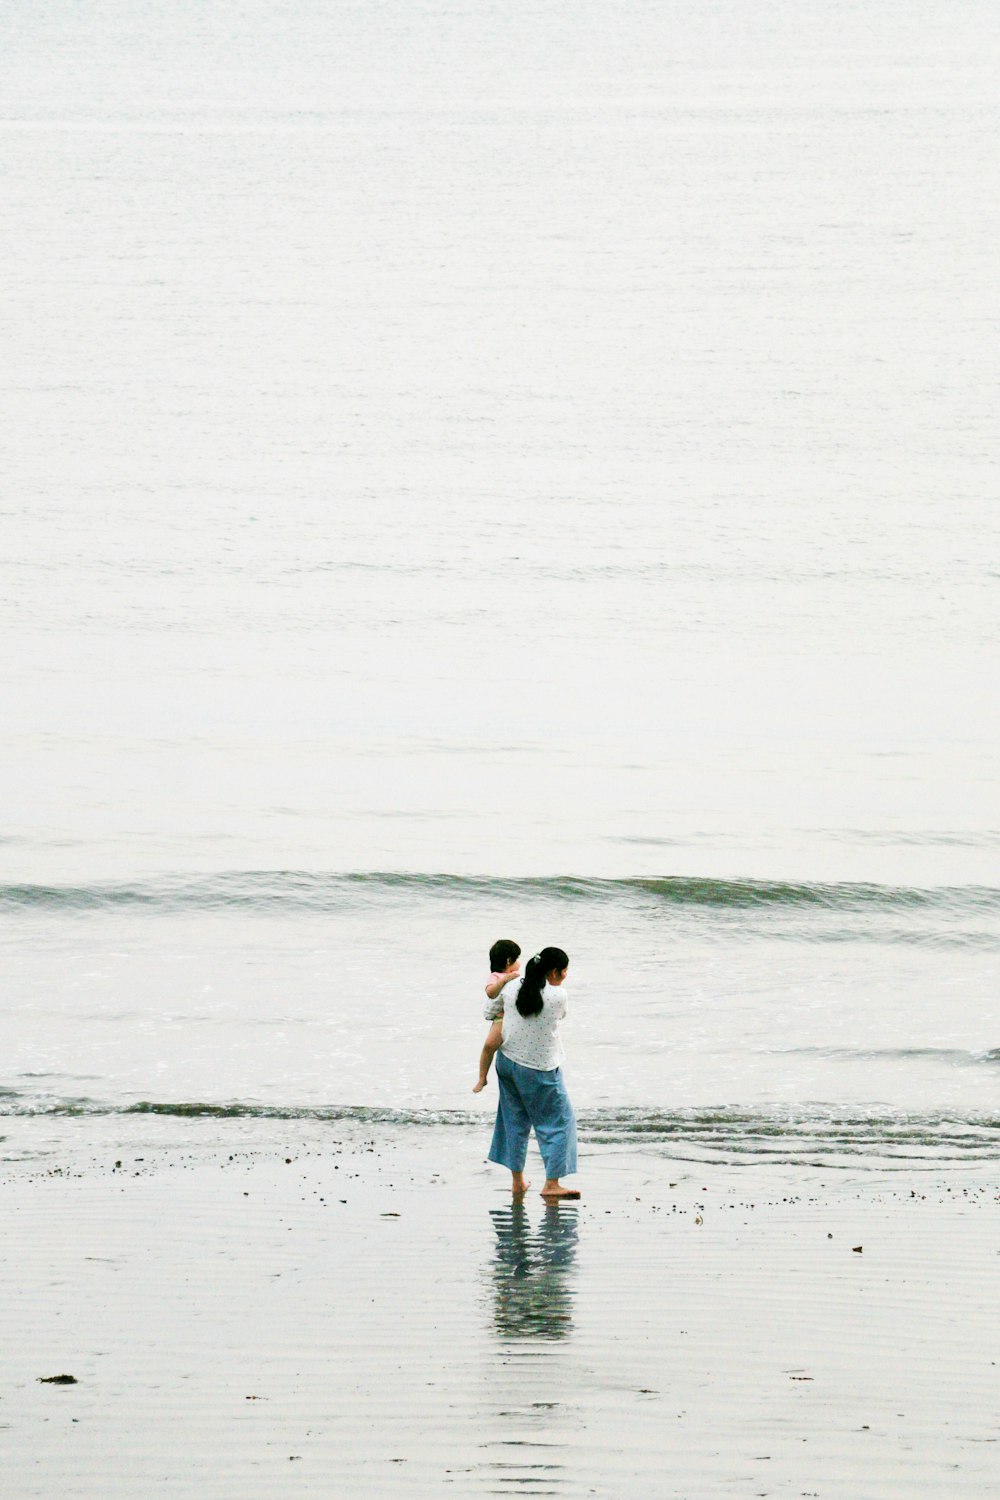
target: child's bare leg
490 1047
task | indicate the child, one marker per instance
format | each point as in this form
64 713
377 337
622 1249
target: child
504 957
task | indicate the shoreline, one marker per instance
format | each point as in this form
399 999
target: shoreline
355 1314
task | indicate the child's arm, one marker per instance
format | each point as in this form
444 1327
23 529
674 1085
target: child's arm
495 984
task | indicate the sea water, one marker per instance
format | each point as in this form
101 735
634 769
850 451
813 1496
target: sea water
476 471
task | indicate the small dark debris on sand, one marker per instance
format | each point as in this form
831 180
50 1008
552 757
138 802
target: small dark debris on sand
58 1380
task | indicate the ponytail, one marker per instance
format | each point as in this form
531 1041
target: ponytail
537 969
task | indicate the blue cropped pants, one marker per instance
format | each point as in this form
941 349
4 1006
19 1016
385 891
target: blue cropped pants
531 1098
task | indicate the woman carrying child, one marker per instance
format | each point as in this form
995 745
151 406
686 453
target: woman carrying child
529 1074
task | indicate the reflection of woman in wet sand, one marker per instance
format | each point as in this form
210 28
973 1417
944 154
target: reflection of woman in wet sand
529 1073
532 1279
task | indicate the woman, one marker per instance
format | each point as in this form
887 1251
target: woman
529 1072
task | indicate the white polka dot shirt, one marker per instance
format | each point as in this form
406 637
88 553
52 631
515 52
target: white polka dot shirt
532 1041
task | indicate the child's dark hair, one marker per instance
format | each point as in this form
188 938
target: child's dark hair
529 996
503 952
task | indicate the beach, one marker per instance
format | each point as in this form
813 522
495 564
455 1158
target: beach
499 471
343 1311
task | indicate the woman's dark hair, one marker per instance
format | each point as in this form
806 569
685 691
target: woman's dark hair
503 950
537 970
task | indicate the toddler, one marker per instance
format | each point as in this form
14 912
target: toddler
504 957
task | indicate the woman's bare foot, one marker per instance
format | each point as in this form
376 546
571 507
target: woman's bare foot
519 1184
554 1189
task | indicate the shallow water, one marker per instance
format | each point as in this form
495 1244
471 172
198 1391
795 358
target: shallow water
549 450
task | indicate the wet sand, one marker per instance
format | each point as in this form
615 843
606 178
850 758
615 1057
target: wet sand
322 1314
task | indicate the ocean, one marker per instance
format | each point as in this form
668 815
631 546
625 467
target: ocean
477 471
